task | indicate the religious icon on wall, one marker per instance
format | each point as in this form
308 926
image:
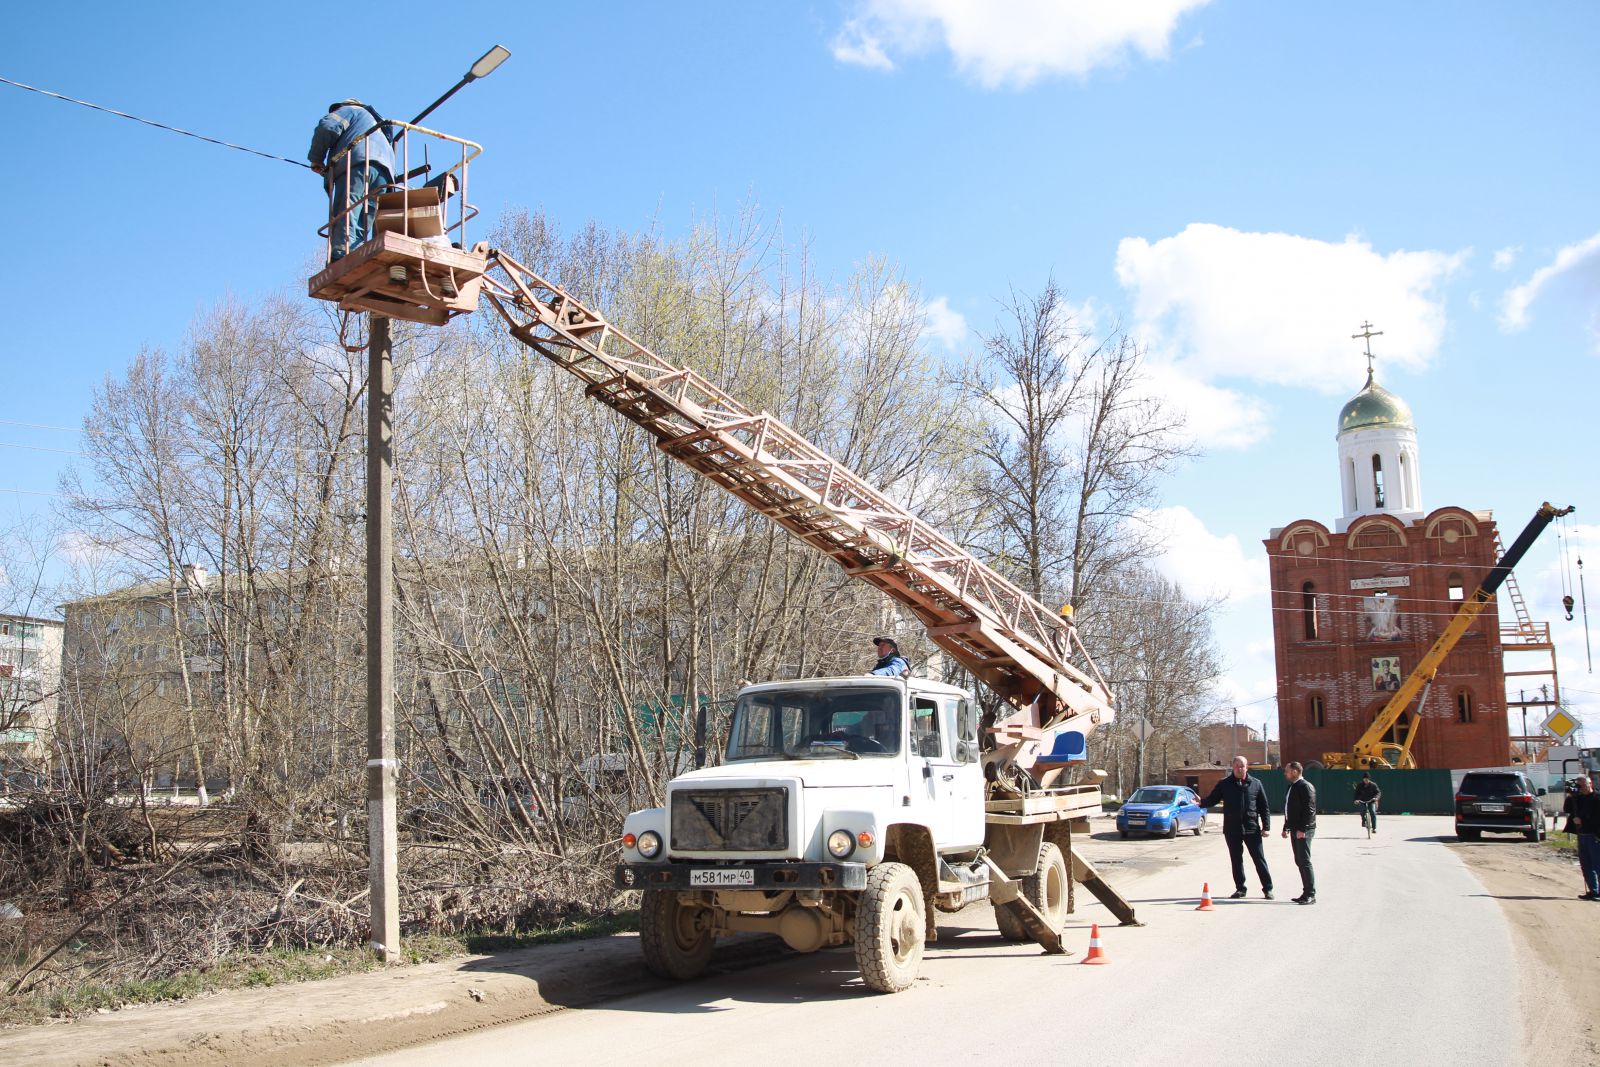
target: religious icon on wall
1380 617
1385 674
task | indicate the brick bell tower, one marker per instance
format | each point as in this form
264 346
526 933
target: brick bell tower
1355 607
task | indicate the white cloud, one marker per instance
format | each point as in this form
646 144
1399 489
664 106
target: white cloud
944 323
857 45
1204 564
1505 257
1011 43
1575 266
1280 308
1214 417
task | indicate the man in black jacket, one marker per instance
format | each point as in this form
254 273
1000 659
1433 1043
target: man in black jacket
1583 819
1245 819
1300 826
1367 795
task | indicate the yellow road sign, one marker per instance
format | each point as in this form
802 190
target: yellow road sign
1560 725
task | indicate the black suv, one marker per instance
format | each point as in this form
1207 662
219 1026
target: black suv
1501 802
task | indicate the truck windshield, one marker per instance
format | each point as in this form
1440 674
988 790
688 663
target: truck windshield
858 722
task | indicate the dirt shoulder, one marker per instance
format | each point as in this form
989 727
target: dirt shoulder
1558 944
357 1015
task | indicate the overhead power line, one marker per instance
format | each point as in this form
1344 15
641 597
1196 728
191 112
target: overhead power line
157 125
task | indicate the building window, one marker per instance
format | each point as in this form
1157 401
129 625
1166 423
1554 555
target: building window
1464 706
1319 713
1308 609
1377 481
1458 591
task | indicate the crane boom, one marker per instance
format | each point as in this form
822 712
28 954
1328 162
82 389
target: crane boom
1370 749
1021 650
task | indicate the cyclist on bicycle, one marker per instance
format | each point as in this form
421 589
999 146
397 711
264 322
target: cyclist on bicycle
1367 794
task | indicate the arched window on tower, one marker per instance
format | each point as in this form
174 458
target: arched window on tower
1319 711
1458 590
1464 707
1308 609
1377 481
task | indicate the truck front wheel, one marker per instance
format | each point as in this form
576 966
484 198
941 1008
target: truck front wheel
890 928
1045 889
676 937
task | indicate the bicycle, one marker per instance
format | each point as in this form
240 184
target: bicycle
1366 816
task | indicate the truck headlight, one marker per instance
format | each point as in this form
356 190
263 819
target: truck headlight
649 844
841 843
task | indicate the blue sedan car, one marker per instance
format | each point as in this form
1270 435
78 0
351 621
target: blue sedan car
1162 809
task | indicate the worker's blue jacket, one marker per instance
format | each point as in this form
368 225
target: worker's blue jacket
348 126
893 665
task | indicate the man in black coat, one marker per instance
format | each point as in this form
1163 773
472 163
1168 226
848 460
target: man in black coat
1583 819
1245 819
1300 826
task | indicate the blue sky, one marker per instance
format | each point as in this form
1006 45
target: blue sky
1239 184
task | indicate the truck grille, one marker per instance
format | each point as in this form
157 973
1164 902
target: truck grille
730 820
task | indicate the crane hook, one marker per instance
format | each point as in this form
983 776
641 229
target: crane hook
1566 602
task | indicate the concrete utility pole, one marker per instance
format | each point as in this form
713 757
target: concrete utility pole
1522 698
382 839
383 842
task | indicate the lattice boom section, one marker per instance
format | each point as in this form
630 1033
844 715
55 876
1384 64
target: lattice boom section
1013 643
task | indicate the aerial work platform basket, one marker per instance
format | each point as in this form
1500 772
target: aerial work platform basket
415 262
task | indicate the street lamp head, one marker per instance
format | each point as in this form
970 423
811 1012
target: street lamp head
487 62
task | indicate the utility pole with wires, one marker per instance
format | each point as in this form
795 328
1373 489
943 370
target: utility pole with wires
383 766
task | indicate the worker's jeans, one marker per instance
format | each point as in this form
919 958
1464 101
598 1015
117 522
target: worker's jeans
1302 860
349 211
1237 843
1589 861
1372 812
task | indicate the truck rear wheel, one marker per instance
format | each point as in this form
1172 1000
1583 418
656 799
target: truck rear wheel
1046 890
675 937
890 928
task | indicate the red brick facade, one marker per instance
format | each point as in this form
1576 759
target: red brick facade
1338 645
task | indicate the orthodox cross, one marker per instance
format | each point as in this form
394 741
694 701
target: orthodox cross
1368 333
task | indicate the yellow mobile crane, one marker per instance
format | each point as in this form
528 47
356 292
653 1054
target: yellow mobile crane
1371 751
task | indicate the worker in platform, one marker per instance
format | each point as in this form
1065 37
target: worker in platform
1300 826
890 662
353 154
1367 795
1245 821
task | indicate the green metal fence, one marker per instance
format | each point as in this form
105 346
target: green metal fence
1425 792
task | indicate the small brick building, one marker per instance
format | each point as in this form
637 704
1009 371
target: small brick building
1355 607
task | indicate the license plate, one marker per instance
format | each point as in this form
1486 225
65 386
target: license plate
1491 807
723 876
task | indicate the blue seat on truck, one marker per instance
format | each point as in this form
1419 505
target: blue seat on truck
1070 747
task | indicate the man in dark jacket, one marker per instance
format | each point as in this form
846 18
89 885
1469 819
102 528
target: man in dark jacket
1300 826
1367 795
356 160
1583 819
1245 819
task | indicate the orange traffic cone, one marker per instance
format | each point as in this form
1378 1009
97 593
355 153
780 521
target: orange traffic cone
1205 898
1096 953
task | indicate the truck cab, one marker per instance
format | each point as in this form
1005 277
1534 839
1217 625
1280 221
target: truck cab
821 771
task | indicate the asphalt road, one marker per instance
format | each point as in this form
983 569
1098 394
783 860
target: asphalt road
1403 959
